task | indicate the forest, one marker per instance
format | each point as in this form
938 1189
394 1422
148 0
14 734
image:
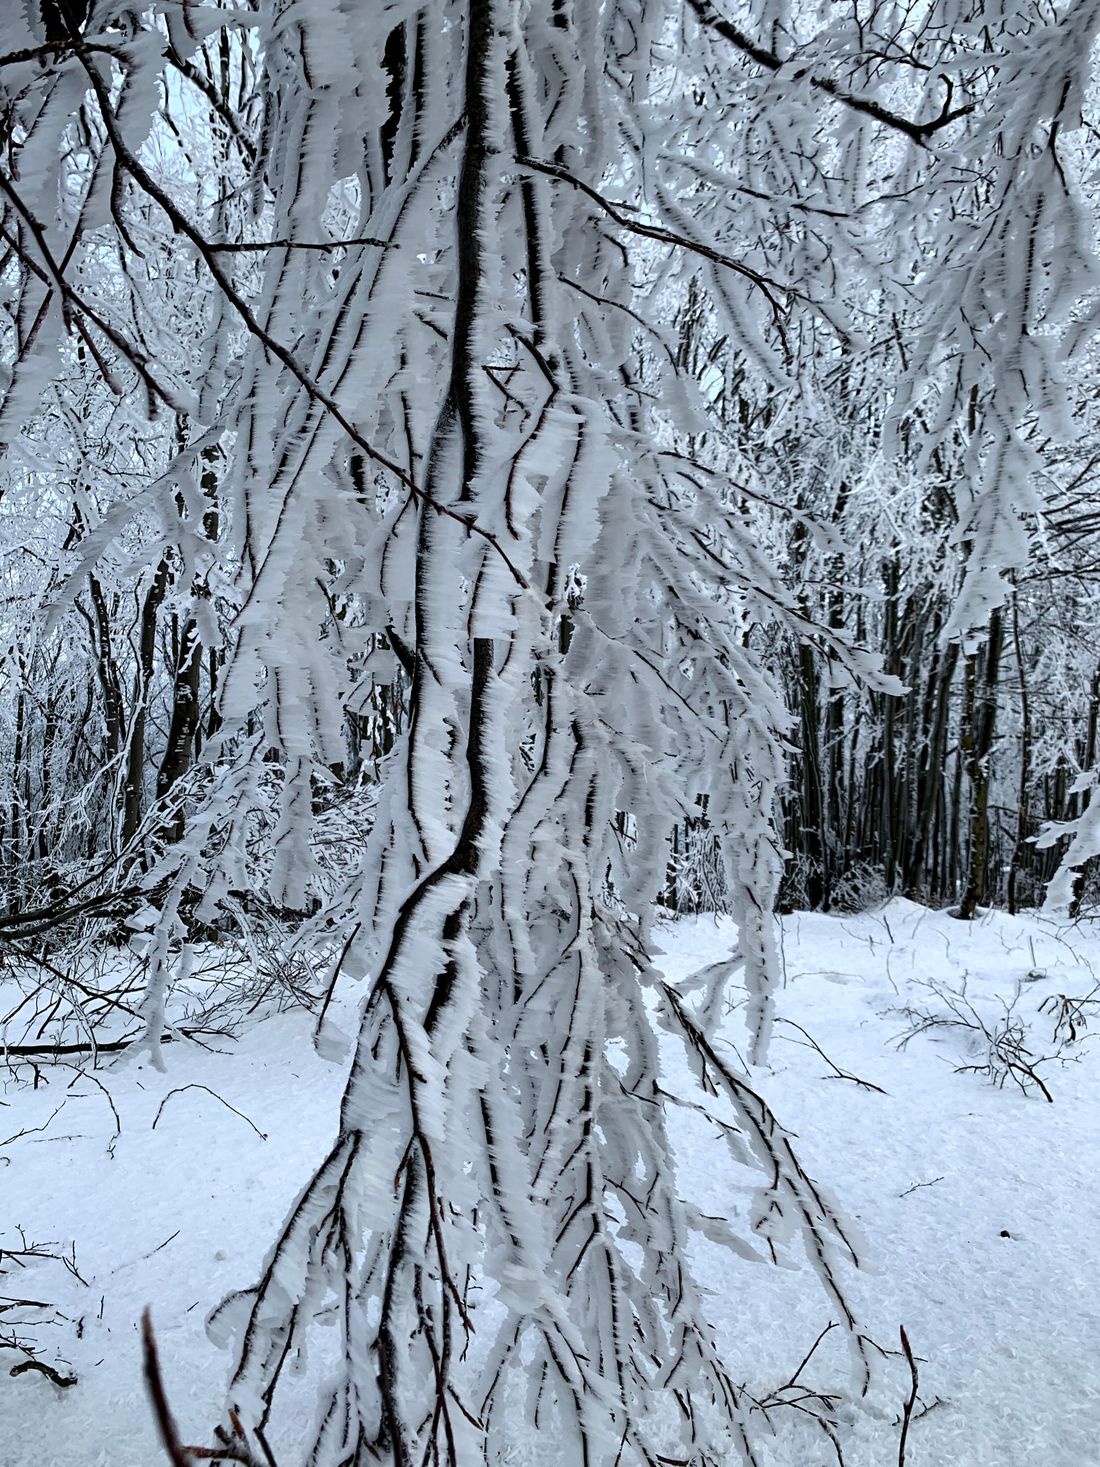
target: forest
534 535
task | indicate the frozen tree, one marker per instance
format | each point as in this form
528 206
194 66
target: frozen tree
566 585
478 283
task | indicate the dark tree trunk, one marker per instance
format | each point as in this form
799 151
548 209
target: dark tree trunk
133 800
930 785
179 751
978 734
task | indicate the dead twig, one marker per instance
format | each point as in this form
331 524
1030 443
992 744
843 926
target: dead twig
917 1186
34 1130
166 1425
795 1395
50 1372
838 1073
911 1399
1003 1041
251 246
82 1074
181 1088
1070 1013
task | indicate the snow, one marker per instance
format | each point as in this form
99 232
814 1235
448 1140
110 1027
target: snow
978 1203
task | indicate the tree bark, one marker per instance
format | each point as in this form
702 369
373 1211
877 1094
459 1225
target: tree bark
982 680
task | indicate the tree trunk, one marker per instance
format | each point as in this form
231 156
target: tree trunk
982 680
133 786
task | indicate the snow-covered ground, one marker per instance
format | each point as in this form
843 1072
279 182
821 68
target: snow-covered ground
980 1204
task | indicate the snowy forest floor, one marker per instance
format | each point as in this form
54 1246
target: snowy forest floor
980 1203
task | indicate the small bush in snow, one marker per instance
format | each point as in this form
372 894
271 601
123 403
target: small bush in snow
999 1044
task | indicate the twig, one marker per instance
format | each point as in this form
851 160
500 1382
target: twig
917 132
332 981
144 1256
808 1356
84 1075
181 1088
1008 1056
161 1410
252 246
33 1130
663 236
917 1185
911 1400
105 1047
53 1375
838 1074
70 1263
48 51
43 918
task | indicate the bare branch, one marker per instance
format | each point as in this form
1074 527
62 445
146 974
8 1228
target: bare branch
662 236
916 132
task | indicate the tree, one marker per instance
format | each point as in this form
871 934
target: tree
436 295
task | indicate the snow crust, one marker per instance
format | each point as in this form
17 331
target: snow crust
979 1205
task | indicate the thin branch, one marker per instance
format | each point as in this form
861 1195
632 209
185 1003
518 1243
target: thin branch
51 49
181 1088
53 278
107 1046
916 132
911 1399
204 85
917 1186
48 1371
838 1073
166 1425
615 211
255 246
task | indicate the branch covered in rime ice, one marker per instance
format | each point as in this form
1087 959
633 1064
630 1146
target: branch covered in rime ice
1084 846
1000 303
553 743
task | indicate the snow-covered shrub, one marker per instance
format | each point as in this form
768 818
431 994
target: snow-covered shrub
859 888
999 1043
